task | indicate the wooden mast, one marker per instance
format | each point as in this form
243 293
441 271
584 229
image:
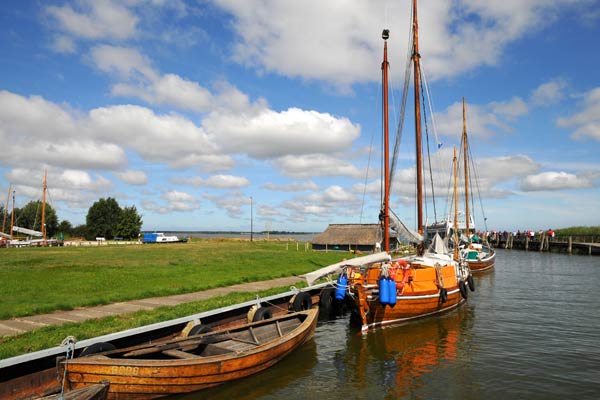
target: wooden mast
44 208
6 208
466 167
417 82
455 165
386 170
12 217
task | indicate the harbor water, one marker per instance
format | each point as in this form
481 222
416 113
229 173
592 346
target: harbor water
531 330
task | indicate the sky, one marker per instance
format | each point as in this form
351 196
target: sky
219 114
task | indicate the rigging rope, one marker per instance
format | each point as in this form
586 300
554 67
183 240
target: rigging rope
407 75
428 154
368 165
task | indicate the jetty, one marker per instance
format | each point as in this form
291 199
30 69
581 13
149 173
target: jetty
584 245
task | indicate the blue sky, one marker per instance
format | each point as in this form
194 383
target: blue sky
188 109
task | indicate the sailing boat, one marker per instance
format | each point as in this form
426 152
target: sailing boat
479 256
474 250
383 291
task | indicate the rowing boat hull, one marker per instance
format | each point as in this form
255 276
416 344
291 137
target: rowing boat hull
484 264
151 378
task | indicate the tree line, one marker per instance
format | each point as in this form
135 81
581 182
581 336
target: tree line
105 218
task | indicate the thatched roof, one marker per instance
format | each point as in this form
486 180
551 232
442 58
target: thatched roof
349 234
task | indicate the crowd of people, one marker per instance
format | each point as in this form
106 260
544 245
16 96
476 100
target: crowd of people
493 236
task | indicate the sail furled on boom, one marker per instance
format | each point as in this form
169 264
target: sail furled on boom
405 233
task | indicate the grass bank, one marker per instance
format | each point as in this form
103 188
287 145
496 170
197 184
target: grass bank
52 336
41 280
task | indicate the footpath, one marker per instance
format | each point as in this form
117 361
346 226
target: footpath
16 326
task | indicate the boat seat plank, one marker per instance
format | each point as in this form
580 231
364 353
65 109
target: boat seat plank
180 354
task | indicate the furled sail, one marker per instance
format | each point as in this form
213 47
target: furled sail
311 277
27 231
407 234
438 246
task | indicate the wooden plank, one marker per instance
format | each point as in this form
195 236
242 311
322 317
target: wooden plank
180 354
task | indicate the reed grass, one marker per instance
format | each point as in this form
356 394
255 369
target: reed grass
41 280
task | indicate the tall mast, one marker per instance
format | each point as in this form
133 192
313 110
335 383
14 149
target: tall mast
12 216
386 170
6 208
44 208
417 82
466 166
455 166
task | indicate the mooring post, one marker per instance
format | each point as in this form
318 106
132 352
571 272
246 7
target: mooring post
570 247
527 243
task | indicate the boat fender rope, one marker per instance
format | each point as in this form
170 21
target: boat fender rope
69 342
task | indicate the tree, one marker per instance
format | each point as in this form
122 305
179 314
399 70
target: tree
129 224
65 228
30 217
80 231
102 219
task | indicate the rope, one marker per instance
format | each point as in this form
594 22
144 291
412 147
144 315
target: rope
428 151
407 74
69 342
368 166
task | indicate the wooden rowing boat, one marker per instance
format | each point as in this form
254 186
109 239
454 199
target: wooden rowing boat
195 362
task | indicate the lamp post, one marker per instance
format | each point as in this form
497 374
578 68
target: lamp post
251 219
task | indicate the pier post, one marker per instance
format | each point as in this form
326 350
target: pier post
527 243
570 246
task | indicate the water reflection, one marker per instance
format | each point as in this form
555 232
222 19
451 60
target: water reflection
289 373
403 356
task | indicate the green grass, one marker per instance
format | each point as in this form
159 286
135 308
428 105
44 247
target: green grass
41 280
52 336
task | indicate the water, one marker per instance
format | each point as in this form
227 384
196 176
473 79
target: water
531 330
300 237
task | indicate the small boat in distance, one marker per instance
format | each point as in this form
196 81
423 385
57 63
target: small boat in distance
159 237
194 362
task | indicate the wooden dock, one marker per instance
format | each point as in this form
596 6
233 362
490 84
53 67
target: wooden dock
584 245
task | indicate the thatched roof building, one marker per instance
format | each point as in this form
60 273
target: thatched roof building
346 237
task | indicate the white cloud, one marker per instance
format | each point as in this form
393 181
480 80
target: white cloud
549 93
140 79
302 38
176 202
270 134
292 187
587 121
125 62
481 121
63 44
216 181
34 131
171 139
554 181
333 202
232 204
511 109
77 188
95 19
133 177
312 165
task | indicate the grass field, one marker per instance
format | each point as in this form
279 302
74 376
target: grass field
40 280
